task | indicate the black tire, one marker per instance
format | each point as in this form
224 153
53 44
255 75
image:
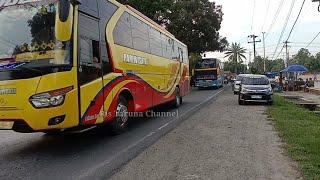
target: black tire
176 103
120 123
241 102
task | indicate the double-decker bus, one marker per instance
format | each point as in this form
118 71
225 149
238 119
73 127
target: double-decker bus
208 73
72 65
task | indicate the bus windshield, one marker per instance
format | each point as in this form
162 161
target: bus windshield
27 36
206 63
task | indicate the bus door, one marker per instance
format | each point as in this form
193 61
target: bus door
90 71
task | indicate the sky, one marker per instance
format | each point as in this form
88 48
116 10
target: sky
245 17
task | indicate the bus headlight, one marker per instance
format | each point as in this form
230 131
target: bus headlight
50 99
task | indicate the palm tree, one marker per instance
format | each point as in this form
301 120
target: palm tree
235 54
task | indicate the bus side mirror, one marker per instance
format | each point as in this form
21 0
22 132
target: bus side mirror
64 21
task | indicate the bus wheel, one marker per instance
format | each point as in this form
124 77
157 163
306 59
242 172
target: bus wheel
177 100
120 123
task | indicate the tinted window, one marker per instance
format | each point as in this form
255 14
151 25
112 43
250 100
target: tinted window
122 32
106 10
206 63
175 50
155 42
89 52
89 7
88 27
255 80
166 46
185 55
140 35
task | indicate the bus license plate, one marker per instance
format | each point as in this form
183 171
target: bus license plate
6 124
256 97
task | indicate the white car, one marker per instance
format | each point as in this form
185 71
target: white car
237 82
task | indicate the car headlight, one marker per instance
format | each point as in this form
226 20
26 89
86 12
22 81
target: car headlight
269 90
244 90
50 99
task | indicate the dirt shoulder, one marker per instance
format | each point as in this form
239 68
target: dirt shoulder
222 141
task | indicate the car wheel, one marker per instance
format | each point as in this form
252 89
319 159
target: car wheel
120 123
177 100
240 102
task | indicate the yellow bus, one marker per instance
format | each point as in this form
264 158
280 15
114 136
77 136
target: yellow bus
72 65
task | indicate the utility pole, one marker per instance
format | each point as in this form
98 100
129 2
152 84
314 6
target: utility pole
254 41
250 53
264 54
286 61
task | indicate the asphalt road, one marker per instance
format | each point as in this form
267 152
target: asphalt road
221 141
91 155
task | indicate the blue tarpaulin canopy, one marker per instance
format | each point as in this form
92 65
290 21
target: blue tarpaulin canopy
295 68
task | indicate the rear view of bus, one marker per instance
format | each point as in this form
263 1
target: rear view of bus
208 74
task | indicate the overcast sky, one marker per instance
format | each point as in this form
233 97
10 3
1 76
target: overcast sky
240 20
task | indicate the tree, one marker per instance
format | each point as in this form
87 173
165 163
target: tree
193 58
301 57
235 54
196 23
230 66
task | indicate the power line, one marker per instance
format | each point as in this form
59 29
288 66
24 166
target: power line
312 40
265 17
275 18
296 19
284 28
254 6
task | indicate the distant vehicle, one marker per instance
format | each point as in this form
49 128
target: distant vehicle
255 88
208 73
236 83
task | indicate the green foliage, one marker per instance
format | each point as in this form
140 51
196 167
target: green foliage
232 67
193 58
235 55
300 129
194 22
303 57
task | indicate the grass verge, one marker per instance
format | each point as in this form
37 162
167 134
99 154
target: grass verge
300 129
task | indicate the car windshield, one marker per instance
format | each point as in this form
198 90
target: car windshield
27 36
255 80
